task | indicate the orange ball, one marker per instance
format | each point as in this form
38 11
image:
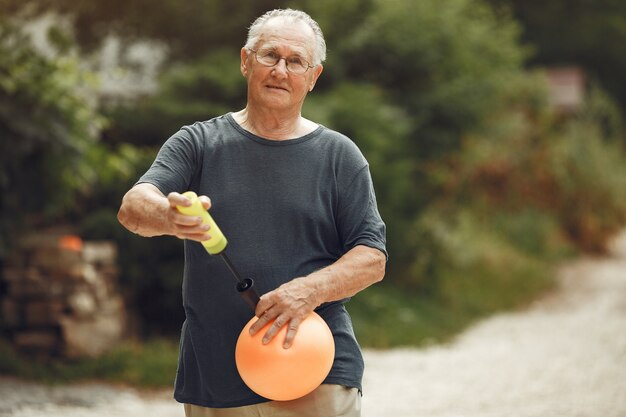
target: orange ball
283 374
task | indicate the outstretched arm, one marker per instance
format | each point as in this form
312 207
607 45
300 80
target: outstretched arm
147 212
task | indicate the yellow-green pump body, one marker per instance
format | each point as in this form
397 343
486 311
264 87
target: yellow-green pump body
217 243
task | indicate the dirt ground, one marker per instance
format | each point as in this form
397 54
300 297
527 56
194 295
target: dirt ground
563 356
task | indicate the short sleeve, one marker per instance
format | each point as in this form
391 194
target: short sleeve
358 220
176 164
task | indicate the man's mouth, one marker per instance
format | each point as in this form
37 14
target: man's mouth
275 87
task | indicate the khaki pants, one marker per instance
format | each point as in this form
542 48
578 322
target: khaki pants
325 401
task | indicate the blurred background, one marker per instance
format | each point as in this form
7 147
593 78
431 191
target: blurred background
494 131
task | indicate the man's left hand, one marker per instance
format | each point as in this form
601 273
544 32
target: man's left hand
288 305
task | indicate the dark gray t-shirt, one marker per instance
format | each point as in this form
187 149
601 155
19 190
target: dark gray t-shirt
287 208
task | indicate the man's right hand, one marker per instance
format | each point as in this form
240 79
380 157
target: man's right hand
147 212
184 226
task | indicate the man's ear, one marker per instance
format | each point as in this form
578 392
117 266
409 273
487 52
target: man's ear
317 71
244 59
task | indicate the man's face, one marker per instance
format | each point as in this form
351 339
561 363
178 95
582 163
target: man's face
276 88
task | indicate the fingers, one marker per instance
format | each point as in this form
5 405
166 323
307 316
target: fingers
294 324
184 226
276 323
263 319
279 322
266 302
206 202
196 231
275 311
177 199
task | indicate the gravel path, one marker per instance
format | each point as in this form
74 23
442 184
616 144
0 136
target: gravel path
563 356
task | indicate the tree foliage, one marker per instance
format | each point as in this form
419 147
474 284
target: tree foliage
48 122
579 32
191 28
190 91
442 65
475 175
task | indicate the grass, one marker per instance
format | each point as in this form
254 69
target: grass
149 364
386 315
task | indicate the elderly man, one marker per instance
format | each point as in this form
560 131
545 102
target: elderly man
295 200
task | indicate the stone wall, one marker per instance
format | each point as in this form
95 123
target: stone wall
60 296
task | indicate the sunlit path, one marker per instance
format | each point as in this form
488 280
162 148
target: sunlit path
565 356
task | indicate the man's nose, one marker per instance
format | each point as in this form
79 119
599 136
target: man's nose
281 67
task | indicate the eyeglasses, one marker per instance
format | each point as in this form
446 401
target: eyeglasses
294 63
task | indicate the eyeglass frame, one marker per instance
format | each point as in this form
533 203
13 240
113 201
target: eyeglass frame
308 65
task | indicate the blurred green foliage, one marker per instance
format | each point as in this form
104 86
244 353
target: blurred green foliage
569 169
482 185
147 364
192 28
189 91
440 64
590 34
48 122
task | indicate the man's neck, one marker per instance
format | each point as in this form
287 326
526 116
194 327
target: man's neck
272 126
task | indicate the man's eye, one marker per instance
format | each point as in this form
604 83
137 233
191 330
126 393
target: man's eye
270 54
296 60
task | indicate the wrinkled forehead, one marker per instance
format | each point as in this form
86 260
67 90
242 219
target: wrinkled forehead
281 32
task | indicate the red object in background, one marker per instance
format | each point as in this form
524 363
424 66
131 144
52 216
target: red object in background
71 242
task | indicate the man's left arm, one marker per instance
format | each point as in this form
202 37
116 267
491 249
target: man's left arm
293 301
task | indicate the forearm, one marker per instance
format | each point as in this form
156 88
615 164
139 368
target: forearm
144 211
356 270
293 301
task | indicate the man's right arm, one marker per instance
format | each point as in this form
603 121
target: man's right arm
147 212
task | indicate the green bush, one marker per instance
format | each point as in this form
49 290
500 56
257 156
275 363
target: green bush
188 92
48 121
528 159
590 174
148 364
443 65
443 62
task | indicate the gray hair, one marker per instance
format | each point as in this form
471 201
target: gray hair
254 33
